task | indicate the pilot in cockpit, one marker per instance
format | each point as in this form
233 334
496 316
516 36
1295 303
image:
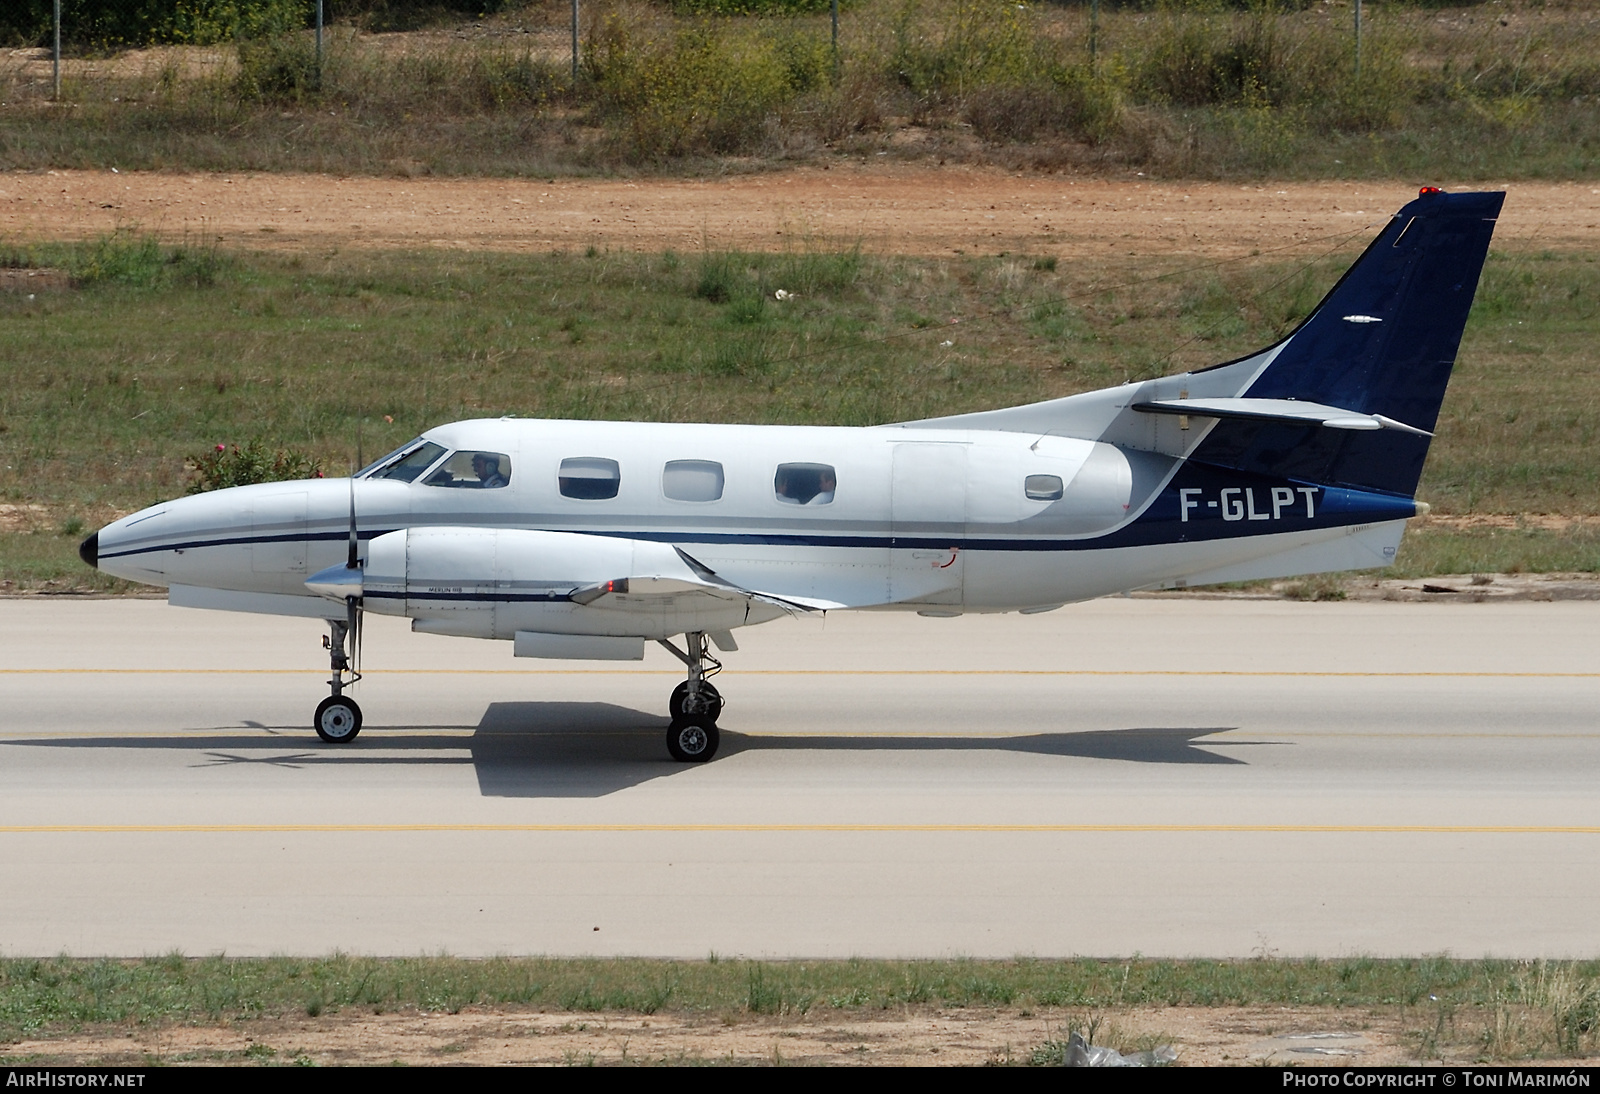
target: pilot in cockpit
487 468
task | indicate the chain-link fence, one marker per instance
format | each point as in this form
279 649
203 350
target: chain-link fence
79 33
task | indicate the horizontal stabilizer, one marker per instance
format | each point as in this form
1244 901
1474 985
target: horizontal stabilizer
1277 410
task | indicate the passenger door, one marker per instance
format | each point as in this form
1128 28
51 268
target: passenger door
928 507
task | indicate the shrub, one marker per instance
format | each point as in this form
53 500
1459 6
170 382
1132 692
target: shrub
704 88
282 67
943 51
1073 102
241 465
123 23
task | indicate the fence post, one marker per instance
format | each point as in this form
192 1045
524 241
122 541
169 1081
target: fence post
1358 41
835 15
56 55
319 45
574 43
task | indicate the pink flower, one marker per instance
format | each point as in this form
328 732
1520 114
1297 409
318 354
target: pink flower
222 448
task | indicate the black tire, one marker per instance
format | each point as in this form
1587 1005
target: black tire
692 740
338 720
708 695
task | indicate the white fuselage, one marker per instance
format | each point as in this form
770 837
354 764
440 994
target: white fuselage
931 520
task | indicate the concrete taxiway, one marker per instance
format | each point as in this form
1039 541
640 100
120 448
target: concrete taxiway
1162 776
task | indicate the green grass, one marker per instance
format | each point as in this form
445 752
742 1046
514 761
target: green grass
163 352
1426 551
1549 1006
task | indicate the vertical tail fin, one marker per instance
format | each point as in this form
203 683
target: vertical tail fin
1382 342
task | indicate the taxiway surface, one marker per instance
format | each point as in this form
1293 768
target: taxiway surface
1168 777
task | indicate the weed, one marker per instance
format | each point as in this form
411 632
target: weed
1205 88
1320 587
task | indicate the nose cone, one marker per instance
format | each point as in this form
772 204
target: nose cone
89 550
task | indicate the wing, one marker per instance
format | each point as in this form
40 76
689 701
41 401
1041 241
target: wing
647 590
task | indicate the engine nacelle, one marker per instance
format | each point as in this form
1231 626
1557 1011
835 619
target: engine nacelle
492 583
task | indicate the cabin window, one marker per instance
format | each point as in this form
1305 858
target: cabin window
692 480
473 471
589 478
410 465
1043 487
804 483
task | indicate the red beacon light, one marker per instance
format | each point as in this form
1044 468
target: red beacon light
1426 190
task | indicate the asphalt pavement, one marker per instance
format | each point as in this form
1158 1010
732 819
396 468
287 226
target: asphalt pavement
1175 777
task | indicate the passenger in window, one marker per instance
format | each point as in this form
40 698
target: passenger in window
826 484
487 468
804 483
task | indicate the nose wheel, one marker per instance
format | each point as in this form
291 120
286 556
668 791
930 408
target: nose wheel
338 718
695 704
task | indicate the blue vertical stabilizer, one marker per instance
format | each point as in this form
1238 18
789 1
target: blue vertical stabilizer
1382 342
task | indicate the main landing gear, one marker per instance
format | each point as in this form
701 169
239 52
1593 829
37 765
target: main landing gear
695 704
338 719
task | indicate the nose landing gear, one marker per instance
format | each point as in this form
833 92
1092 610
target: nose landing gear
695 704
338 718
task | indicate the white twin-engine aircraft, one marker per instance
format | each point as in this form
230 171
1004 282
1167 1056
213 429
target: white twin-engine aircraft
585 540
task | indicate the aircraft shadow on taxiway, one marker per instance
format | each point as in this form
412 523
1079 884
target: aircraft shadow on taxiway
584 750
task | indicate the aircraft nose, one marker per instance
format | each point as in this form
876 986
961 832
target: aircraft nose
89 550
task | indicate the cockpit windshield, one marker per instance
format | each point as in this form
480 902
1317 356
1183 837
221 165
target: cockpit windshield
381 460
405 463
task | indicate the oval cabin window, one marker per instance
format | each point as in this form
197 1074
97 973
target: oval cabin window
692 480
589 478
1043 487
804 483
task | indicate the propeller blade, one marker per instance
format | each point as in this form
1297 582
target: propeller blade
351 561
353 620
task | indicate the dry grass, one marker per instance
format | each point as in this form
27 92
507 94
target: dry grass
1499 90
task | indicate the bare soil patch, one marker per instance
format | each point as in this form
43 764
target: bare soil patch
887 209
1202 1036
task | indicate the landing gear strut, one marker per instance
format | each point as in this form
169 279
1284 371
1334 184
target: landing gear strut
338 719
695 703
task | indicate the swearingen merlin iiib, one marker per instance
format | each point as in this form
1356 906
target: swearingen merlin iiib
585 540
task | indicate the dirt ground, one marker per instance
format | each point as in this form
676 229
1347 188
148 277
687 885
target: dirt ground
885 208
1201 1035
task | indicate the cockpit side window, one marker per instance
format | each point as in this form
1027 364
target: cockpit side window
411 464
473 471
804 483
